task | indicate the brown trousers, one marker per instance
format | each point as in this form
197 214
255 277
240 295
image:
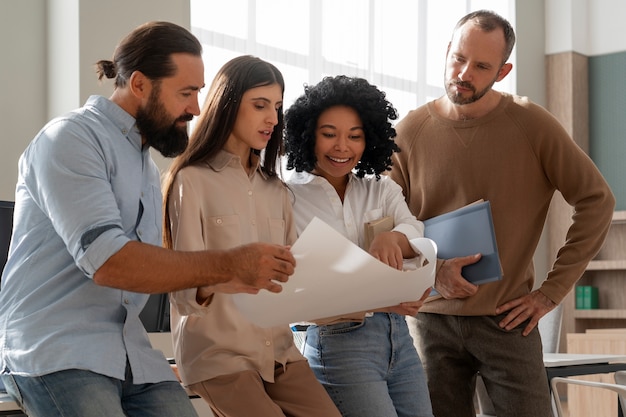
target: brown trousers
294 393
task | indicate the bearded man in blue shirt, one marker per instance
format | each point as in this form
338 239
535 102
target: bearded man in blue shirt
85 251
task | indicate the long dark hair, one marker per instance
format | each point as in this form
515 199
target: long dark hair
217 119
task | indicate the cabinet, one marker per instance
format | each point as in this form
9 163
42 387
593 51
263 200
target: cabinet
607 272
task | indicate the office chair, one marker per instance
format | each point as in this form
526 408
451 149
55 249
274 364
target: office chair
619 387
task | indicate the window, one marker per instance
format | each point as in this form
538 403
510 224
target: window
398 45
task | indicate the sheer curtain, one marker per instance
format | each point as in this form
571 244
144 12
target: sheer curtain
398 45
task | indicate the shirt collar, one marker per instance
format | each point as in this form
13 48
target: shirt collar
120 117
223 159
306 177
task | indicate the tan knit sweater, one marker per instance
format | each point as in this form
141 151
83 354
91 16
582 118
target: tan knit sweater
516 157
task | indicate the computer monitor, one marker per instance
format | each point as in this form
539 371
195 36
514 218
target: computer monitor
155 316
6 226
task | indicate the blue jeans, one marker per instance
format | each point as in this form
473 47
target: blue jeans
370 369
79 393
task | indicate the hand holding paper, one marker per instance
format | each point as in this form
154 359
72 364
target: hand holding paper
333 277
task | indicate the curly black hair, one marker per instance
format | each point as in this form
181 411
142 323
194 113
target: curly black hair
370 104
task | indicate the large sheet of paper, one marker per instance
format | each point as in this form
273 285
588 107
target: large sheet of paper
334 276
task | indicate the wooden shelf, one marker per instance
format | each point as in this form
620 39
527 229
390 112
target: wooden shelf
600 314
613 265
607 272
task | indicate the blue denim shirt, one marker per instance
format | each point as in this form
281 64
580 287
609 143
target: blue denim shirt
86 187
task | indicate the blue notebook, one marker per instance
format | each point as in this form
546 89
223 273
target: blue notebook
464 232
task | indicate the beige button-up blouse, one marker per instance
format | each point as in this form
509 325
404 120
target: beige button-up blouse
216 205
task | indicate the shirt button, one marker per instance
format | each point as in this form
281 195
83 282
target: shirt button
267 343
250 192
125 300
218 221
124 131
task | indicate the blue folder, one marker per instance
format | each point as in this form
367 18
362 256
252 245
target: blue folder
467 231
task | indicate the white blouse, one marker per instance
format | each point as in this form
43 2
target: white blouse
366 199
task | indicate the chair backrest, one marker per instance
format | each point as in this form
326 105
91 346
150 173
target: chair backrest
550 329
619 387
620 378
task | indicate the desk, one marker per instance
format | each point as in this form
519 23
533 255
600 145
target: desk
564 365
8 407
576 364
572 364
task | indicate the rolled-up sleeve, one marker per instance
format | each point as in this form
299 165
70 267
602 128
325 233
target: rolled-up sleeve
74 189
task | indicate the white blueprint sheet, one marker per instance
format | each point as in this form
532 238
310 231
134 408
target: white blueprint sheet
334 276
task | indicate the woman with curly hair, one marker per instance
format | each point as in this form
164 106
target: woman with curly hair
339 139
222 192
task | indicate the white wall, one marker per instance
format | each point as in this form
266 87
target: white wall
530 56
606 26
81 32
589 27
49 48
22 83
63 69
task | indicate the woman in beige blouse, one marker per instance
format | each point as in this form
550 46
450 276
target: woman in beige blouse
219 194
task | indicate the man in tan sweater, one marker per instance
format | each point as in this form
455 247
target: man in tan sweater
477 143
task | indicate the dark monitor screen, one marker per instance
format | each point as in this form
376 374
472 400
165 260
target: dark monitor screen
6 226
155 316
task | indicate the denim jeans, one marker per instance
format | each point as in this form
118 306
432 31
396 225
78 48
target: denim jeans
79 393
369 369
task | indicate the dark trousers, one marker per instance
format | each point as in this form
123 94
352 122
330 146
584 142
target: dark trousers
454 348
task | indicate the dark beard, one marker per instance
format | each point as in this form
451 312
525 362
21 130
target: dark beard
159 130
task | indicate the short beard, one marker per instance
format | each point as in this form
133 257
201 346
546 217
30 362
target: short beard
159 130
458 99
